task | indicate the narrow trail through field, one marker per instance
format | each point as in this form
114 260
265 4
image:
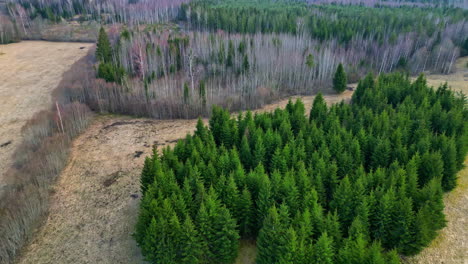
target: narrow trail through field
29 72
95 202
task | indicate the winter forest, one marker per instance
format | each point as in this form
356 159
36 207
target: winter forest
348 183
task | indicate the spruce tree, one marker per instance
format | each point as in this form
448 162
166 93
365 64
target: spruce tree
245 64
104 48
231 54
147 175
340 80
186 93
318 112
324 250
246 214
224 243
190 247
266 238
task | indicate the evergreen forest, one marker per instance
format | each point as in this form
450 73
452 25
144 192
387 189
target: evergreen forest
348 183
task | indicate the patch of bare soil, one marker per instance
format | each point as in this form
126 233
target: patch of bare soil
29 72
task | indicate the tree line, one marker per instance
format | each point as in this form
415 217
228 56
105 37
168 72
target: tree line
322 22
351 183
164 72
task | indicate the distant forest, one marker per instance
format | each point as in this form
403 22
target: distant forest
243 54
353 183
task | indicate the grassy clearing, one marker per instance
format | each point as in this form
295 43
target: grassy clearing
247 252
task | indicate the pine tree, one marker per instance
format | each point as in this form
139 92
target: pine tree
245 64
354 251
339 80
381 155
276 241
310 61
319 110
342 203
202 92
147 175
246 154
231 54
264 202
431 166
205 229
224 244
324 250
104 48
375 255
267 237
246 214
190 247
449 156
186 93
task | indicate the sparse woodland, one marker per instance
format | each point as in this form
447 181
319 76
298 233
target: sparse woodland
353 183
241 55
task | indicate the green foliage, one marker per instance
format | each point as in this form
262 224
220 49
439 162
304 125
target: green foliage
104 48
310 60
464 48
268 16
202 92
110 73
186 93
107 69
355 183
245 64
339 80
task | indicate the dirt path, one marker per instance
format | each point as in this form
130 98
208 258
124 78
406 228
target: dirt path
94 207
29 72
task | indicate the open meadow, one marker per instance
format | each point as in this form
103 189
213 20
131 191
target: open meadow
29 72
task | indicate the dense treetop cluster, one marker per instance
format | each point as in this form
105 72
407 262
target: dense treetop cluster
351 183
320 21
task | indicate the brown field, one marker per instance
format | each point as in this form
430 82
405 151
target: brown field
29 72
457 81
94 204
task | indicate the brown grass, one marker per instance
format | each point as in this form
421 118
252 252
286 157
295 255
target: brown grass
247 252
29 72
457 81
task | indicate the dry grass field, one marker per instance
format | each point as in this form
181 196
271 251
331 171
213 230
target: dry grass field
94 204
29 72
457 81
